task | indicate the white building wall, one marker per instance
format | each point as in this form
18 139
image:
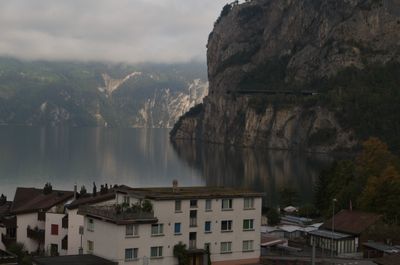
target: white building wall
23 220
76 220
107 234
74 238
54 219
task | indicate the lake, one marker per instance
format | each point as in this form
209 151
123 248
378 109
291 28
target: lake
32 156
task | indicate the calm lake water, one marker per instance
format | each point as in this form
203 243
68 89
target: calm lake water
31 156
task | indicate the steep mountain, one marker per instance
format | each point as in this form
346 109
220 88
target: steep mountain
98 94
301 74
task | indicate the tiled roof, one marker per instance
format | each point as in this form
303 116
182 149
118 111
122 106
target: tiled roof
5 209
352 222
188 192
28 200
92 199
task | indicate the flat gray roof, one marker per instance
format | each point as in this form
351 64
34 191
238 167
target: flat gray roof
188 192
329 234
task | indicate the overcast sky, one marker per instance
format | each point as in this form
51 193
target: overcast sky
107 30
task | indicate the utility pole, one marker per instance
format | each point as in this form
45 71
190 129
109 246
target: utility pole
333 226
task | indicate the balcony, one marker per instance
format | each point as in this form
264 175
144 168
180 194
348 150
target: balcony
36 234
114 214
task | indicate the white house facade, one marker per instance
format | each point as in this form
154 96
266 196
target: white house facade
219 224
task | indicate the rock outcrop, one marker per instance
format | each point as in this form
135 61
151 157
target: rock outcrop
266 59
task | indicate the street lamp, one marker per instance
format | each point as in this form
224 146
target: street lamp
333 225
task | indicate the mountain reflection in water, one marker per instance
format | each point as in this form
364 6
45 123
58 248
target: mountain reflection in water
267 171
32 156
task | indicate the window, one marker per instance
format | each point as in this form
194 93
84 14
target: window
132 230
178 205
248 245
54 230
248 203
157 229
226 226
227 204
207 227
248 224
208 205
156 252
193 218
193 203
90 247
226 247
127 200
131 254
177 229
90 224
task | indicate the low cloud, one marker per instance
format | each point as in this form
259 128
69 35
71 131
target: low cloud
107 30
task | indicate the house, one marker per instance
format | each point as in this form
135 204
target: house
349 233
72 259
378 250
147 223
39 214
4 213
75 221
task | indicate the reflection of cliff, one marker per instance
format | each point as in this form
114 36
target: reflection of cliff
266 171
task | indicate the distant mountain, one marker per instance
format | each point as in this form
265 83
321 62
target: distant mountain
98 94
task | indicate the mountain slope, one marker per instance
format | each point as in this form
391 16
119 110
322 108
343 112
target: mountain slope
96 94
314 75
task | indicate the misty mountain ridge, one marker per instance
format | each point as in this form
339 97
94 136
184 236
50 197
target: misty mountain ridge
41 93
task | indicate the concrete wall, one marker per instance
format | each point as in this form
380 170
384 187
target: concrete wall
106 234
54 219
74 238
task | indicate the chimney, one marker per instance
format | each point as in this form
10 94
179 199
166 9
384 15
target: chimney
174 185
75 191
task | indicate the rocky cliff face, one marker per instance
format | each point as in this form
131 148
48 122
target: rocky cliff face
266 60
164 107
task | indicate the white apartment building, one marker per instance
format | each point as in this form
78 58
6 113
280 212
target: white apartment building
225 221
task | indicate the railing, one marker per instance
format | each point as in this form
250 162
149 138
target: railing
36 234
7 240
111 212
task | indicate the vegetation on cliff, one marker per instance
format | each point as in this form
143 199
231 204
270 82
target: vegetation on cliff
370 182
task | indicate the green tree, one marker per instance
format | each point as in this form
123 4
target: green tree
180 252
381 194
